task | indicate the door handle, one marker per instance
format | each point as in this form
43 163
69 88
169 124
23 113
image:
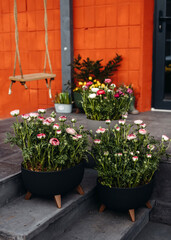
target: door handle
162 19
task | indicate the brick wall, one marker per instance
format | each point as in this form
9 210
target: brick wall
105 27
32 53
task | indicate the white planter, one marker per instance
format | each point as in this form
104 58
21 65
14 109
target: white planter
63 108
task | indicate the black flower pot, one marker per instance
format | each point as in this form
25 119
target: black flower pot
124 198
52 183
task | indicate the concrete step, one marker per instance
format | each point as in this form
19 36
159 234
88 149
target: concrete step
40 219
107 226
155 231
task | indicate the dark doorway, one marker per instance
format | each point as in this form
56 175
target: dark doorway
162 55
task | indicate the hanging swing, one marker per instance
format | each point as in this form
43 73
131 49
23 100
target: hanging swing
34 76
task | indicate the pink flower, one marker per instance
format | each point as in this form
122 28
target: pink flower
79 136
119 154
46 122
100 92
15 113
107 121
75 138
33 115
107 80
55 126
151 147
124 116
58 132
129 90
40 118
54 141
142 131
143 125
89 83
41 135
25 116
149 155
97 141
135 158
117 129
116 95
165 138
71 131
50 119
122 122
62 118
131 136
100 130
138 122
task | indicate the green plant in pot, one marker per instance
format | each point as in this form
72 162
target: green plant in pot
104 102
85 70
63 103
127 158
53 153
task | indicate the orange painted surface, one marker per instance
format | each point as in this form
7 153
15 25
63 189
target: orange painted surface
32 53
105 27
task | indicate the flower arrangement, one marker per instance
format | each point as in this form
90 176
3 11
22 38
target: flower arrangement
62 98
45 144
85 70
105 101
126 155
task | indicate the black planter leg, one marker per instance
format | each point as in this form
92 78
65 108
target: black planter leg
80 190
148 205
102 208
28 195
58 200
132 214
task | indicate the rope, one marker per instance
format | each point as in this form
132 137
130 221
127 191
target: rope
46 39
17 54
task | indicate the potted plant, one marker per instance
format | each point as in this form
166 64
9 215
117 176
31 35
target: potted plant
63 102
103 102
53 153
127 158
85 70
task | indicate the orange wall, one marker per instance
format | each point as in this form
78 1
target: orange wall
105 27
32 52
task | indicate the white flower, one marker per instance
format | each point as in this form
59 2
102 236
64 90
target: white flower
131 136
58 132
79 136
107 121
62 118
142 131
55 126
25 116
122 122
75 138
50 119
97 141
149 155
92 95
119 154
106 153
143 125
151 147
165 138
135 158
131 153
112 85
109 90
100 130
41 110
138 122
138 152
94 90
15 113
41 135
73 120
71 131
117 129
46 122
33 115
124 116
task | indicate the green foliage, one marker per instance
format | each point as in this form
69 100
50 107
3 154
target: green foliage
35 135
63 98
82 69
124 162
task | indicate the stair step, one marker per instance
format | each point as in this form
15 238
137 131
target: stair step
161 212
107 225
40 219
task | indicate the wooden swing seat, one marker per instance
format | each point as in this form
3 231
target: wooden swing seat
32 77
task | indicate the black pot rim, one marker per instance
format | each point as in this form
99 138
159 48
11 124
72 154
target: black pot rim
152 180
49 172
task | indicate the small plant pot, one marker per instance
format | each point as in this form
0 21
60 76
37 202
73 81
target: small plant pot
95 124
63 108
123 199
52 183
